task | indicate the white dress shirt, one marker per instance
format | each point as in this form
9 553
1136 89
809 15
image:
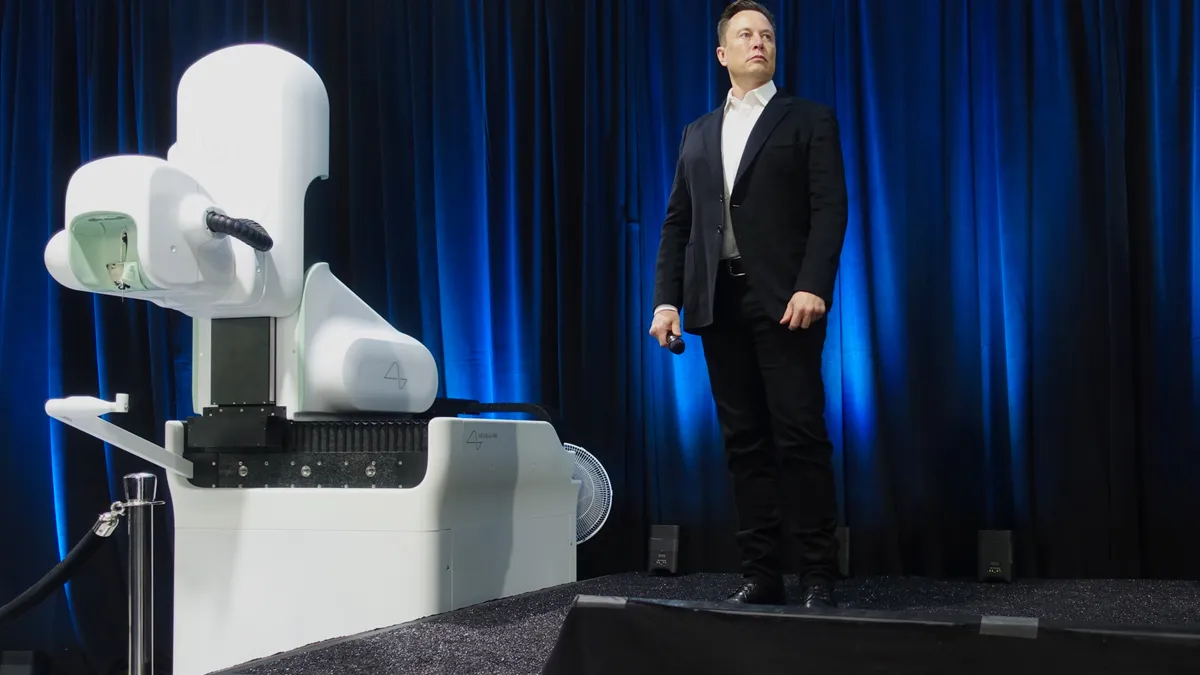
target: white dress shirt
741 114
740 118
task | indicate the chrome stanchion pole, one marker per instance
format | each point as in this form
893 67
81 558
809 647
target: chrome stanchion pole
140 492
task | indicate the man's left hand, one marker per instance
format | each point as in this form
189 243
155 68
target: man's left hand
803 310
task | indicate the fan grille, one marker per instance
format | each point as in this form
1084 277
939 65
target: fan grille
595 493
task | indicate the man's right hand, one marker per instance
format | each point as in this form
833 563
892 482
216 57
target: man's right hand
666 322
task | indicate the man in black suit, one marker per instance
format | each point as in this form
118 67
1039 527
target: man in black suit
750 247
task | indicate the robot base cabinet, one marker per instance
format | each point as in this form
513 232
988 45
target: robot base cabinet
259 571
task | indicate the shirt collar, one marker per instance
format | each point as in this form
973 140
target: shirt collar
761 96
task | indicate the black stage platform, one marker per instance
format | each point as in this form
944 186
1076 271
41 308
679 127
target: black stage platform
885 625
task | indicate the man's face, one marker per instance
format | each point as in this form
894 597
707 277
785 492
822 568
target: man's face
749 47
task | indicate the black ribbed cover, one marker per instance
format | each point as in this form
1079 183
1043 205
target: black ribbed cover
359 436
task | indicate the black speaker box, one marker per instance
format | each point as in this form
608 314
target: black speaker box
24 663
664 549
996 555
843 537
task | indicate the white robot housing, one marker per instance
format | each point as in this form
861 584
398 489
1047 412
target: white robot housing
321 488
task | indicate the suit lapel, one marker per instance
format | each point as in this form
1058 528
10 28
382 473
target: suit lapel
712 147
770 118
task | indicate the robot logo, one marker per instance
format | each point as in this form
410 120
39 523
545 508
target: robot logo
393 373
476 438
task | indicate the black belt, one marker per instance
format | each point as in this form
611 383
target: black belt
734 267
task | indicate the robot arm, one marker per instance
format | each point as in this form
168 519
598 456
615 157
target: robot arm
216 231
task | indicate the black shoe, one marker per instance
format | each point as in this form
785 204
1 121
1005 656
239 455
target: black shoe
819 596
755 592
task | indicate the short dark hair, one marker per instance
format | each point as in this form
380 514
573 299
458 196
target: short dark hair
736 7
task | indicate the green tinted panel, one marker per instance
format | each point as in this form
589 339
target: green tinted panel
103 252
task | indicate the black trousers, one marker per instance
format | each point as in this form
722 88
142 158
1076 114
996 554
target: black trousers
770 400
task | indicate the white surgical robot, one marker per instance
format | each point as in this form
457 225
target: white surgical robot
322 489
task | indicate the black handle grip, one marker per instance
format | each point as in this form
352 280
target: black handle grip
243 229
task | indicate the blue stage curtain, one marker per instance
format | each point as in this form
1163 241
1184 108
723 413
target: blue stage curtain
1014 338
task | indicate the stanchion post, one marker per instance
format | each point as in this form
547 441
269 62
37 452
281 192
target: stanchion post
140 492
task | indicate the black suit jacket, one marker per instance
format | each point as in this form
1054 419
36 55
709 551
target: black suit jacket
788 208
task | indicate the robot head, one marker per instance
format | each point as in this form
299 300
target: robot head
216 229
136 226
